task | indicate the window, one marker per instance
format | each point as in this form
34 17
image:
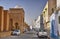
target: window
46 9
59 19
44 13
52 10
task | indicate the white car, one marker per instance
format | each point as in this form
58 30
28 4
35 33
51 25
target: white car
42 33
15 32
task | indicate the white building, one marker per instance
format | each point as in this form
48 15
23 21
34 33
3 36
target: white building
57 19
31 27
36 23
58 15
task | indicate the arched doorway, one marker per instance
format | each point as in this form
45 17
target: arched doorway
16 25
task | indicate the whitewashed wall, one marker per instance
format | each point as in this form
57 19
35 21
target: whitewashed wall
36 24
58 3
58 22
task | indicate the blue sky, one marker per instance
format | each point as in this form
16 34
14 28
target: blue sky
32 8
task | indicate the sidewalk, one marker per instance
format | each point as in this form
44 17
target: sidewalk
5 34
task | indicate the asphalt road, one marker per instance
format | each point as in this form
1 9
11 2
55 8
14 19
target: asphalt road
27 35
18 37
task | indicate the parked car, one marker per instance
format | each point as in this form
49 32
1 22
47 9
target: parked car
15 32
42 33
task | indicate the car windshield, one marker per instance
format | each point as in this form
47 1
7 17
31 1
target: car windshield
16 30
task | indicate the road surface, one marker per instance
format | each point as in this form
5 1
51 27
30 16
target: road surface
27 35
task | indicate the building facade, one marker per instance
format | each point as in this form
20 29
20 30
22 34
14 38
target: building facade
6 21
12 19
36 23
56 12
1 18
26 27
16 18
51 6
47 12
45 15
57 16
